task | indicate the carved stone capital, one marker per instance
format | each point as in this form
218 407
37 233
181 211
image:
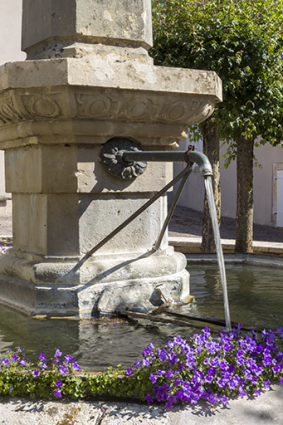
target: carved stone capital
91 100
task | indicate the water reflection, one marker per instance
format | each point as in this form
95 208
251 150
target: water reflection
94 346
255 293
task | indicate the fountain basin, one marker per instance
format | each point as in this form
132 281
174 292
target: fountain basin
255 294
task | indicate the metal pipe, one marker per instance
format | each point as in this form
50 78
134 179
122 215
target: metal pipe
202 161
175 156
154 156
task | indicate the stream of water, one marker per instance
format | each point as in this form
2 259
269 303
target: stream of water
219 251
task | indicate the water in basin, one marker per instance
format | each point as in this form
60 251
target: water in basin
255 296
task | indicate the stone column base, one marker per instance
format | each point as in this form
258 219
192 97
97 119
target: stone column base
62 287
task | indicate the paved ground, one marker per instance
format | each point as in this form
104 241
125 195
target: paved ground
188 222
266 409
5 226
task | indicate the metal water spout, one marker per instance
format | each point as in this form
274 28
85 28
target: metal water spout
120 157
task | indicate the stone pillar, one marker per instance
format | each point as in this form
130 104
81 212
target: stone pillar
88 78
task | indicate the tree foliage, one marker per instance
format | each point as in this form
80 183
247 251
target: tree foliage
242 40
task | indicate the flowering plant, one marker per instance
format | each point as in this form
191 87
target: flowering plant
18 376
211 369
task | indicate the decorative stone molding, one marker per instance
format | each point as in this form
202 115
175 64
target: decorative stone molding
103 105
139 107
16 107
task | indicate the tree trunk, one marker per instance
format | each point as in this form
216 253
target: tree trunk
244 217
211 150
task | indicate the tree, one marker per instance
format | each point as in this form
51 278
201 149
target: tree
242 40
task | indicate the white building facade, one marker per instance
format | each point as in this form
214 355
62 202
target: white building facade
10 50
268 186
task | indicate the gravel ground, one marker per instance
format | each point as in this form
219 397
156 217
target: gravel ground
188 222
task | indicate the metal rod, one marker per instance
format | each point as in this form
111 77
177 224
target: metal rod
153 318
157 244
137 213
154 156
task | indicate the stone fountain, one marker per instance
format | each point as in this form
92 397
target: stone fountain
87 79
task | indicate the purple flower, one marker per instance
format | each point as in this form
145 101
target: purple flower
173 359
257 392
76 366
248 374
224 400
57 353
211 347
149 398
148 350
58 384
223 365
129 372
35 373
63 370
212 399
57 394
206 331
169 373
6 362
277 368
146 362
242 392
23 362
153 378
68 359
163 356
222 383
266 383
137 363
254 380
267 361
41 356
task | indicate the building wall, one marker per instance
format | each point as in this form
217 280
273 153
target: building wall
265 188
10 50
